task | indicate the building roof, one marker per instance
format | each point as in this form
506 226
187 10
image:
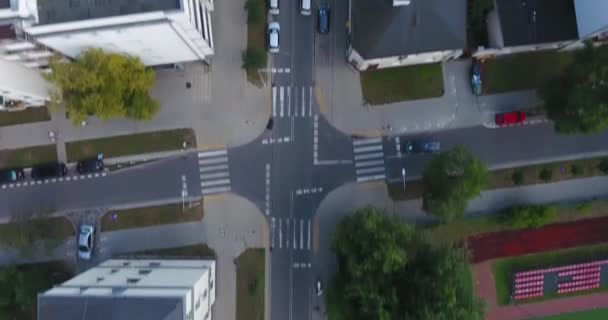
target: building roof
591 16
105 308
526 22
58 11
381 30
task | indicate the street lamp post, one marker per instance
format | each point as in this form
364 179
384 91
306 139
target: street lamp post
403 176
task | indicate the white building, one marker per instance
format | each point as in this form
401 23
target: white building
159 32
134 289
21 87
392 33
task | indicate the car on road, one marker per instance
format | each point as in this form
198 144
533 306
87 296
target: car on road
11 175
319 287
421 146
305 6
273 7
51 170
90 165
509 118
323 18
85 241
273 37
476 77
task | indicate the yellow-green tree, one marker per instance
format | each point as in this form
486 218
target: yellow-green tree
102 84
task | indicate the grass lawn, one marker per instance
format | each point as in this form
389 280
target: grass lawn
151 216
598 314
29 115
22 235
458 230
250 285
521 71
504 269
197 251
503 178
133 144
402 83
256 38
46 275
27 157
477 12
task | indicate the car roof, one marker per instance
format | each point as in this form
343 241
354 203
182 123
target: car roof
90 164
274 39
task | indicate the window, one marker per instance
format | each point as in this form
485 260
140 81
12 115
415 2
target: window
126 264
112 271
205 294
154 264
144 271
132 280
99 279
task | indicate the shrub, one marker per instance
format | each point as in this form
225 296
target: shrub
256 11
528 216
518 177
603 166
584 207
577 169
546 174
253 58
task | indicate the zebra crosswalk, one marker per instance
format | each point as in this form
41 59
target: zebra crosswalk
369 159
293 234
214 171
288 101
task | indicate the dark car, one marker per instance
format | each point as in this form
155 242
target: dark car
323 18
421 146
52 170
90 165
11 175
476 78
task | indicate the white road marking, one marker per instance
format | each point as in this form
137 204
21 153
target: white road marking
295 245
303 104
216 190
289 101
274 101
308 246
280 234
370 178
310 102
214 168
215 182
369 156
301 233
366 141
287 70
369 163
369 148
212 153
212 160
214 175
282 98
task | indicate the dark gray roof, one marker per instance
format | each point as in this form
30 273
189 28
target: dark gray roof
108 308
57 11
381 30
5 4
526 22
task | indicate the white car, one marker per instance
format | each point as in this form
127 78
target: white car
273 7
273 37
85 241
319 288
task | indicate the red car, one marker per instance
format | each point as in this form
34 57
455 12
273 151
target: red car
509 118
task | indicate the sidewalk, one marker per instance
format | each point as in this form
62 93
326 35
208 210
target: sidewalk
220 105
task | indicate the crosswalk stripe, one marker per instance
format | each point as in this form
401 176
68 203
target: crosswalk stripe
213 168
212 153
274 101
216 190
368 156
282 98
369 163
359 142
303 103
215 182
212 160
209 176
371 178
368 149
361 172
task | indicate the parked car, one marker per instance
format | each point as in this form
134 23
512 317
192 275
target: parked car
273 37
90 165
305 7
319 287
273 7
11 175
510 118
52 170
421 146
85 241
476 78
323 18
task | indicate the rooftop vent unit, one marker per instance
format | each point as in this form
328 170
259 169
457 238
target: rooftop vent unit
397 3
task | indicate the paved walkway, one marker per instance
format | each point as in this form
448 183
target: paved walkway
220 105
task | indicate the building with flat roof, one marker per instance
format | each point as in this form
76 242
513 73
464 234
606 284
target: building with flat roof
134 289
22 87
390 33
159 32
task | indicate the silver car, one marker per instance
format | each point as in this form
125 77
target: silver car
273 37
85 241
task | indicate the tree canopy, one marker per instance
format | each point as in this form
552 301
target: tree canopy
577 100
388 271
451 179
106 85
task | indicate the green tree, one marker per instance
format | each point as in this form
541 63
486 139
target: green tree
19 289
577 100
106 85
256 11
388 271
518 177
529 216
451 179
546 174
253 58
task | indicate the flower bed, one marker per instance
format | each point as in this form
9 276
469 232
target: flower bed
520 242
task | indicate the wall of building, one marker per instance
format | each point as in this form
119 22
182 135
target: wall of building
389 62
20 83
486 52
